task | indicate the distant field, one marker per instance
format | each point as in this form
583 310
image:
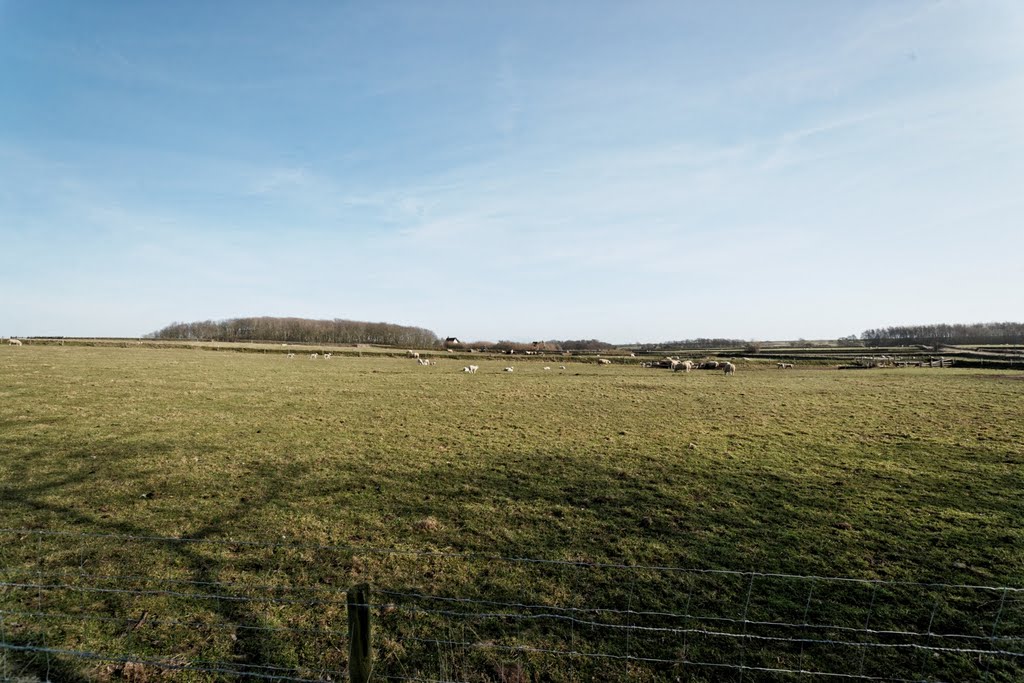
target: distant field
898 475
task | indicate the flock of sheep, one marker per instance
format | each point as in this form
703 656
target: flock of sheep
674 364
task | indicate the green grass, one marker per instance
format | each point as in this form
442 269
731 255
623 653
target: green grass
910 474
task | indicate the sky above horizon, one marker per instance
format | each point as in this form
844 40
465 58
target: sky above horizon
642 171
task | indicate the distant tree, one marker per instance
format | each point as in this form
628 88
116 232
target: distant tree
936 336
583 345
301 330
699 343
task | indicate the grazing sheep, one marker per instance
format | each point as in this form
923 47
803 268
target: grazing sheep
471 368
510 369
710 365
14 342
682 366
561 367
412 354
730 369
546 367
423 361
603 361
783 366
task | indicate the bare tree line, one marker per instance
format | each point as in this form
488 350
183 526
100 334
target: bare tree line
946 334
700 343
338 331
300 330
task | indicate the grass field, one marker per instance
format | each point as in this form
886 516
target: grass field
899 475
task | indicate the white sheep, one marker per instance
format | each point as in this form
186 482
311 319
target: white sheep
471 368
730 369
603 361
682 366
314 356
327 356
561 367
291 355
14 342
546 367
510 369
412 354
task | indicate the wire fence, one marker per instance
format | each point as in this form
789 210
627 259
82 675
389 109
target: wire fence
77 606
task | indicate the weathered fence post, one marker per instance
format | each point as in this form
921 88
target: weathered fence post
358 607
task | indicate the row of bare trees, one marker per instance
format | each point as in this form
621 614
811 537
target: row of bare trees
700 343
300 330
945 334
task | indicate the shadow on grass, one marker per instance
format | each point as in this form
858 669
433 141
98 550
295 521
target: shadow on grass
729 517
249 647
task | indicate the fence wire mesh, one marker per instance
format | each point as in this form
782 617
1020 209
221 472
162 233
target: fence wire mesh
77 606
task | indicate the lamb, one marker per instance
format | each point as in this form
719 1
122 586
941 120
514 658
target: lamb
291 355
471 368
510 369
561 367
730 369
412 354
783 366
423 361
546 367
314 356
603 361
327 356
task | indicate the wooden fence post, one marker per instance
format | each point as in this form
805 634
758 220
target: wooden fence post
358 607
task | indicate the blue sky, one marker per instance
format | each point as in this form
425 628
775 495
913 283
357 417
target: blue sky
626 171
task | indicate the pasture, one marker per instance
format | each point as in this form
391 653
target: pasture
894 475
